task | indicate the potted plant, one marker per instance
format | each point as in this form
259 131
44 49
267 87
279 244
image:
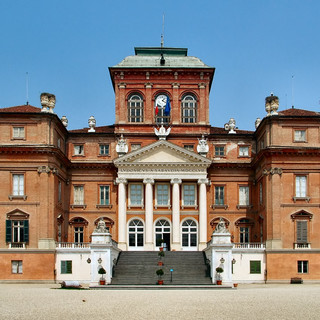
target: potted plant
161 244
219 270
161 255
160 273
102 280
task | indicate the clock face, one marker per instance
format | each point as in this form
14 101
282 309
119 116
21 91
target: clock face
161 100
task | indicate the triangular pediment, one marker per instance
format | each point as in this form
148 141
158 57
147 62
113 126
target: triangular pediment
162 152
17 214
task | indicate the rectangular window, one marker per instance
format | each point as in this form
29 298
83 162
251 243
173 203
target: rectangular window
79 150
135 146
78 195
136 197
66 266
300 136
219 151
59 143
189 147
303 266
243 151
16 266
219 195
301 186
17 231
244 196
260 193
18 184
255 266
104 149
162 194
302 231
104 195
18 133
59 191
189 195
78 234
244 234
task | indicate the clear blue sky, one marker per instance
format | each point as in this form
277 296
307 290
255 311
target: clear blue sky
66 46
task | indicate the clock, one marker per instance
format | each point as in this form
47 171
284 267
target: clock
161 100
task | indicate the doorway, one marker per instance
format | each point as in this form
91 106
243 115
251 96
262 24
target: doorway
163 234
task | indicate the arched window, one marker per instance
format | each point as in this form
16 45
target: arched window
189 234
135 108
162 233
189 109
78 225
136 231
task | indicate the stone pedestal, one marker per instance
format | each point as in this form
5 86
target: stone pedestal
102 254
219 252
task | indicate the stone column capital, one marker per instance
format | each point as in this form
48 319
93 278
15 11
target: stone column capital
148 180
122 85
121 180
148 85
176 180
205 181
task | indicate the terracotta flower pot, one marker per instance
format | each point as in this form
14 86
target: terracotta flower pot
235 285
102 282
219 282
160 263
160 282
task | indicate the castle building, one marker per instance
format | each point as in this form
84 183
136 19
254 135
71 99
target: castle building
160 176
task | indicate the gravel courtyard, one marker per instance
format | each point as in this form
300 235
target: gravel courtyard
25 301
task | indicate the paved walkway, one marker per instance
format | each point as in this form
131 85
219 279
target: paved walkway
247 302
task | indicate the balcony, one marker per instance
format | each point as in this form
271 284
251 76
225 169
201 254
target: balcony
17 245
302 245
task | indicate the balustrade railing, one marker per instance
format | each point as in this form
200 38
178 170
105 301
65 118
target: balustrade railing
302 245
249 245
73 245
17 245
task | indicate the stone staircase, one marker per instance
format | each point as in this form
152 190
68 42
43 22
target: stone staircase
139 268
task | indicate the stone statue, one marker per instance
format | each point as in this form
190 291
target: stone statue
221 227
122 147
203 147
230 126
162 133
92 124
101 227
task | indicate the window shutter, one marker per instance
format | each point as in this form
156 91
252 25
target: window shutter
8 231
302 231
63 266
26 231
255 266
69 266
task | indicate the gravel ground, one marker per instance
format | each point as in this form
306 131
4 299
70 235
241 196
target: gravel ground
27 301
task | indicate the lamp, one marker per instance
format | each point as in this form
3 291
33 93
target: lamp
89 260
99 260
234 261
222 260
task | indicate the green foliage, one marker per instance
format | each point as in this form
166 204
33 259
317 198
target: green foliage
219 270
102 271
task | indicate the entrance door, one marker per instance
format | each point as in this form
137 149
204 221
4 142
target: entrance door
189 235
162 232
136 232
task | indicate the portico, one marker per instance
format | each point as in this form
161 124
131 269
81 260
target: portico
162 182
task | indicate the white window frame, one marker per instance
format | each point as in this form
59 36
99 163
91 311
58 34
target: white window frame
78 195
103 148
195 195
156 195
18 132
16 266
243 151
18 184
134 226
78 149
244 196
188 230
300 135
189 108
135 108
219 151
301 186
141 204
78 234
303 266
219 197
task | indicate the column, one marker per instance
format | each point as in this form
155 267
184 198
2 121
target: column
202 213
176 245
122 213
148 213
